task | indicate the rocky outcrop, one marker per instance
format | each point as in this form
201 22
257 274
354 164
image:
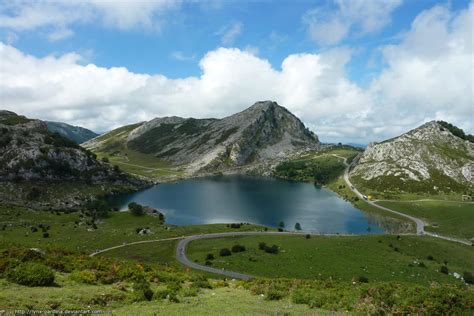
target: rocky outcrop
428 158
257 135
29 152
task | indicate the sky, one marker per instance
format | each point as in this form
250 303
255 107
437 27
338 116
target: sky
354 71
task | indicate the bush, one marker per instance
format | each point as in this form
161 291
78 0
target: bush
210 256
141 291
238 248
273 249
308 236
444 269
31 274
468 277
105 159
136 209
363 279
297 226
274 295
235 225
430 257
45 235
224 252
84 276
262 246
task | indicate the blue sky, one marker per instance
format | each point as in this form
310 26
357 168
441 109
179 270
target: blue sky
348 42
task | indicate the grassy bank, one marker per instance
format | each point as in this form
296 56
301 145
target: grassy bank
448 218
384 258
70 232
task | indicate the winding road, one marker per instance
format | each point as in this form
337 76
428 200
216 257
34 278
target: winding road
185 240
420 224
181 250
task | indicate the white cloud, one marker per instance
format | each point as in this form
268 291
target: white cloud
181 56
229 33
60 34
428 75
330 26
24 15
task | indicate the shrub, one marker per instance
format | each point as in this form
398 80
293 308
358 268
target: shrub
31 274
105 159
262 245
280 229
468 277
444 269
274 295
297 226
363 279
190 292
136 209
141 291
273 249
45 235
224 252
235 225
308 236
84 276
238 248
210 256
430 257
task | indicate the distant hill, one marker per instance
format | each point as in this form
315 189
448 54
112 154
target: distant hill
77 134
428 159
263 132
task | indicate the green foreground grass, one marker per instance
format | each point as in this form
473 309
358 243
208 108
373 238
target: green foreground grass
448 218
379 258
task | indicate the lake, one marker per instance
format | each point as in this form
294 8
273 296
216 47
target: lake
242 199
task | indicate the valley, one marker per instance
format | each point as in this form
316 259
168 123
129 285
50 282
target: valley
112 258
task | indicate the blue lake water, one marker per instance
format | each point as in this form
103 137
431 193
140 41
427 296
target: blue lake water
266 201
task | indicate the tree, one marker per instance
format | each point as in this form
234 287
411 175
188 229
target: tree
98 208
224 252
444 269
281 224
136 209
297 226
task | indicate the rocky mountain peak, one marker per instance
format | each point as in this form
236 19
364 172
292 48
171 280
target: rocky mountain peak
420 159
263 132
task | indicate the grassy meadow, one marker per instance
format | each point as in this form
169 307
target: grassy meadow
448 218
379 258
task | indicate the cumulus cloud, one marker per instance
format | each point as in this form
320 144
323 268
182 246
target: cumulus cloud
24 15
330 26
428 75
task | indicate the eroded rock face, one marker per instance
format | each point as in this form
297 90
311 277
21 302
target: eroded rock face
28 151
261 133
428 154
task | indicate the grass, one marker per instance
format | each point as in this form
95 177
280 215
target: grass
444 217
379 258
162 253
118 228
141 164
391 222
72 295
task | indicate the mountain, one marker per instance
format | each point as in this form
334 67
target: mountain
77 134
429 159
32 156
264 132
